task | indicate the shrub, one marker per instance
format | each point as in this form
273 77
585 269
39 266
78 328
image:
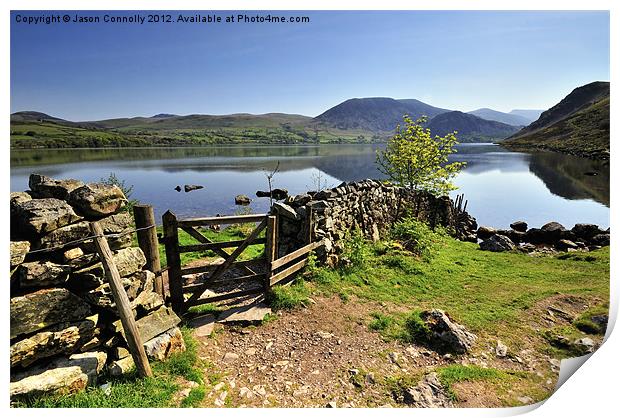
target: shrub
380 322
417 237
356 250
112 180
416 330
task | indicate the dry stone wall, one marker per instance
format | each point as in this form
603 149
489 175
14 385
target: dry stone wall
370 206
65 328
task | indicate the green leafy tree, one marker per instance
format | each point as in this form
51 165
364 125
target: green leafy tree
418 161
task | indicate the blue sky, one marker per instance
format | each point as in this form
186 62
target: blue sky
459 60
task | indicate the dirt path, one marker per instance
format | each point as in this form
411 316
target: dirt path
325 355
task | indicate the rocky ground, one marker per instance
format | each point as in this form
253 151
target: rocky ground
325 355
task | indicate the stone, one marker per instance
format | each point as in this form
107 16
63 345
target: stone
586 231
115 224
19 197
120 352
230 357
302 199
59 377
554 231
247 315
128 262
39 216
242 199
91 344
42 274
19 249
43 186
564 245
97 199
163 346
485 232
72 254
147 301
601 240
202 325
59 339
525 400
600 321
497 243
43 308
277 194
152 325
121 367
331 404
286 211
191 187
428 393
501 350
585 345
520 226
447 334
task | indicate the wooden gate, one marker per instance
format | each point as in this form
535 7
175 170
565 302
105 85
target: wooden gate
273 269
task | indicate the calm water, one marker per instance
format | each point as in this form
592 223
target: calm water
501 186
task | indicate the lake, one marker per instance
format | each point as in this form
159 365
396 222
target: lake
501 186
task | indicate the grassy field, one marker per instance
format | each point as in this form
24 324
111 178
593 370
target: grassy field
147 132
495 295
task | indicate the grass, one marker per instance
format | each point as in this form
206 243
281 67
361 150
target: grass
190 131
132 392
289 297
490 293
450 375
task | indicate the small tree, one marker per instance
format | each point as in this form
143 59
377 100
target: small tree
415 160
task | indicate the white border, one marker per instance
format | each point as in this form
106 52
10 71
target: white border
592 391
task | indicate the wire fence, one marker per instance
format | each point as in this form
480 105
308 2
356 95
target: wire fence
90 237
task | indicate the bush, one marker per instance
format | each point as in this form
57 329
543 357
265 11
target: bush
380 322
356 250
417 237
112 180
416 330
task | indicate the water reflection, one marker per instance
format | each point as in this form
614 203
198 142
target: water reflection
500 185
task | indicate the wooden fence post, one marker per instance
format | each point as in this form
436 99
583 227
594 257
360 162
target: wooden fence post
122 302
147 240
173 257
309 237
271 248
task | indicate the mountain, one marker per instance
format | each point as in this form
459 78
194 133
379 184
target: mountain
32 116
507 118
375 114
470 128
530 114
163 115
578 125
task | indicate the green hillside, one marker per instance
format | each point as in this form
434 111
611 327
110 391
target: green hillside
585 133
43 131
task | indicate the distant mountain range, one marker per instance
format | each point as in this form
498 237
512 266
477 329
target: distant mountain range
582 114
578 124
507 118
470 128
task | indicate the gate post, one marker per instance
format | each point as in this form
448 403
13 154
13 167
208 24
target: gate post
147 240
271 248
173 257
